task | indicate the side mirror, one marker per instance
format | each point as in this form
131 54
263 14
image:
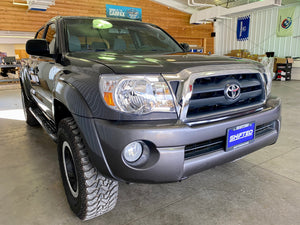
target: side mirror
185 47
38 47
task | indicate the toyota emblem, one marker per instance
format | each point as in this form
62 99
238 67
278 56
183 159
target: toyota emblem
232 91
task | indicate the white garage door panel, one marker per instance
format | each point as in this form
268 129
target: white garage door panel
262 34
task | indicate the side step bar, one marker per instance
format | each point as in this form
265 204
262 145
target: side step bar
48 125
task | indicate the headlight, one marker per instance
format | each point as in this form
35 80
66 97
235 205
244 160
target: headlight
268 75
136 94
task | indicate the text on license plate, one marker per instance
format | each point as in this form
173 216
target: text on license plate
240 135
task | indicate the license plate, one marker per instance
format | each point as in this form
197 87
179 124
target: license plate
240 135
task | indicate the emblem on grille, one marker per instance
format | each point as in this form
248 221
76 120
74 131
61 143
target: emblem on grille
232 91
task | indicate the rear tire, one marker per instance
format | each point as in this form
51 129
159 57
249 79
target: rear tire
88 192
29 118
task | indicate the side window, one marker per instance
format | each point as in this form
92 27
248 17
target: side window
50 37
39 34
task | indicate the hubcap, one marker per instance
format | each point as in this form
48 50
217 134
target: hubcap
69 168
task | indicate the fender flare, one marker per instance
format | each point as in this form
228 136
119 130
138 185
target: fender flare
72 99
25 83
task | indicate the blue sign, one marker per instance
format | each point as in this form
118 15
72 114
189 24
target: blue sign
124 12
37 9
242 31
197 50
240 135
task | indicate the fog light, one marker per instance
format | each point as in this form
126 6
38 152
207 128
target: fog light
133 151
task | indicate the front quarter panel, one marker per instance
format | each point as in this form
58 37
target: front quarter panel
68 95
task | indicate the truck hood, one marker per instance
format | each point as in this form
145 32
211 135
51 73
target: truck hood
171 63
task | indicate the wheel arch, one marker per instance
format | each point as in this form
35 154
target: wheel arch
60 111
25 83
68 102
70 98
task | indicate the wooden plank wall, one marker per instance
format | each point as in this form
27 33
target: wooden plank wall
18 18
21 54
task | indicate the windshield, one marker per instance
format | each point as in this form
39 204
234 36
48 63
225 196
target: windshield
119 36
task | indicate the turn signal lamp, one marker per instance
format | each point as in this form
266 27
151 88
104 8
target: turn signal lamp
108 98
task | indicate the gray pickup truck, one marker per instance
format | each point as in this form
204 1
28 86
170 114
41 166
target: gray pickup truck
125 102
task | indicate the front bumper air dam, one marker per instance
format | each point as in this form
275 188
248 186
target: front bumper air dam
170 140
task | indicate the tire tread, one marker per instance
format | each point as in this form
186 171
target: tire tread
100 193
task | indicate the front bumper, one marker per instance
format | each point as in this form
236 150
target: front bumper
167 162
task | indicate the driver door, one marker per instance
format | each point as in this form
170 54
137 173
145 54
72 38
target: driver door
43 70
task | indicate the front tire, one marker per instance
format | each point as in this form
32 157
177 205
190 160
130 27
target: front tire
88 192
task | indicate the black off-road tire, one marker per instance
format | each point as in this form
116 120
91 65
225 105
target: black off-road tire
29 118
88 192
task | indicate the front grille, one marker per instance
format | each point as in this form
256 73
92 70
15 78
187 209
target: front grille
201 148
218 144
208 94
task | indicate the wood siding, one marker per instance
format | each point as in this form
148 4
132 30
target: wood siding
18 18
